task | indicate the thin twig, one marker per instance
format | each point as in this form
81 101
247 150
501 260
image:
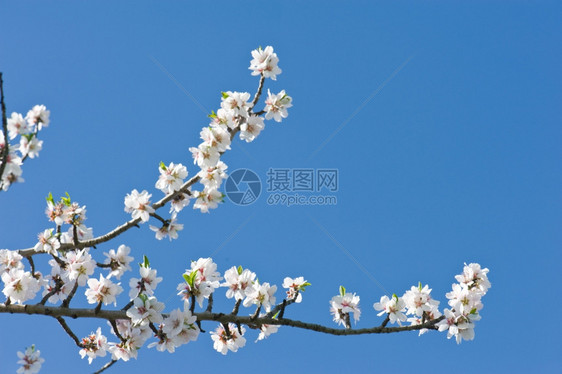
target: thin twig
66 302
258 93
210 304
31 264
115 330
67 329
106 366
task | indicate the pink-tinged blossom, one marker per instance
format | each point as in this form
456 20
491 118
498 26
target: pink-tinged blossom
103 291
342 305
80 266
138 204
224 119
475 277
250 129
212 177
171 177
12 171
239 282
207 199
265 62
203 280
205 156
119 261
178 328
394 307
266 330
135 337
146 284
31 147
181 326
216 137
295 288
236 103
261 295
94 345
20 286
232 340
418 301
465 300
10 260
30 361
276 105
145 309
179 201
457 326
39 116
56 212
57 284
169 229
17 126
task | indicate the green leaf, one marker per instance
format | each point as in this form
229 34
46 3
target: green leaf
50 199
224 95
212 115
163 166
394 296
66 200
145 263
143 297
186 277
239 270
419 286
342 290
191 279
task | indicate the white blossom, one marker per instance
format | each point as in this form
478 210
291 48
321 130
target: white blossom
295 288
261 295
119 261
232 340
344 304
171 177
276 105
30 360
138 204
250 129
239 282
145 284
265 62
103 291
394 307
94 345
38 115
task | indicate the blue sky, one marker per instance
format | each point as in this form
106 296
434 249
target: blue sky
448 151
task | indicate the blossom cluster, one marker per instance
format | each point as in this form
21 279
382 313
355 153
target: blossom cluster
234 115
27 129
465 301
417 306
30 361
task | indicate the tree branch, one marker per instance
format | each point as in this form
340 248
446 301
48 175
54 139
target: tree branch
5 149
217 317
